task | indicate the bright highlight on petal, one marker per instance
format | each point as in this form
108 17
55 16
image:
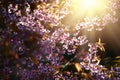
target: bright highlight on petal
100 45
78 67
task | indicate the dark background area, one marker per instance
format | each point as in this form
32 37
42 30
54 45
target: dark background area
111 37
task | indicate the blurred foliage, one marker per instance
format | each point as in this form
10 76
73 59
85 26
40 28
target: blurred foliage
111 61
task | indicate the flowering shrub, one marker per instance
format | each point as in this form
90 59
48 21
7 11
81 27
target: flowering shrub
38 41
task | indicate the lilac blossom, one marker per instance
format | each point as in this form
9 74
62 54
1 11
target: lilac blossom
35 41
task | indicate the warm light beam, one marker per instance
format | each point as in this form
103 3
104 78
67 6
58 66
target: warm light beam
91 7
91 3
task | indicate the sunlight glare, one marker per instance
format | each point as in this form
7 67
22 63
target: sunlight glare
89 7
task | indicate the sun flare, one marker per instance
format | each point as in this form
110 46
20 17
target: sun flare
89 7
91 3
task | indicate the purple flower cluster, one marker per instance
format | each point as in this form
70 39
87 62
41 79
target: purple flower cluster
34 42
